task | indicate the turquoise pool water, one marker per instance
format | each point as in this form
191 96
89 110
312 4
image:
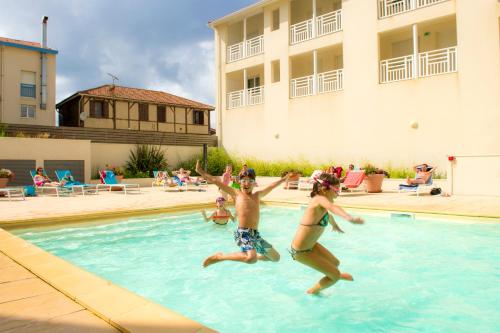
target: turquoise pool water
409 275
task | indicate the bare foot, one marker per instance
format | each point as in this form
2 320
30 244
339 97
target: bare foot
213 259
346 276
314 290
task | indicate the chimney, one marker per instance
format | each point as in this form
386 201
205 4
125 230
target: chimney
43 58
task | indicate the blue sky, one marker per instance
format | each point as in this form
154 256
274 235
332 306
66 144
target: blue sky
152 44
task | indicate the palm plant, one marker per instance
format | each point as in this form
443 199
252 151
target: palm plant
146 158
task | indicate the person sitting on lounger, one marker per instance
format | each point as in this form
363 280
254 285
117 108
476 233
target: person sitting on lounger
423 173
221 215
161 178
41 179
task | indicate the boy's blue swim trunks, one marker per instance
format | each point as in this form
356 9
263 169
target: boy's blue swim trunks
249 239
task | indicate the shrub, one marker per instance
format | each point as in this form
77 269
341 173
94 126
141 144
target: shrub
3 130
146 159
128 174
6 173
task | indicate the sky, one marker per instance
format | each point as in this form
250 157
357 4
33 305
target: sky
152 44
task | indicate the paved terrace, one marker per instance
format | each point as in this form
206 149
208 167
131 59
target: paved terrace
53 209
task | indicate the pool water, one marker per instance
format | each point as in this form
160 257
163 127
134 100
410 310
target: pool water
410 275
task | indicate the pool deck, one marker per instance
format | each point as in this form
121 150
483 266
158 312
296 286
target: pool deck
42 293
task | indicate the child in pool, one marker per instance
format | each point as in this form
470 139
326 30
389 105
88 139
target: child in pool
247 203
305 247
221 215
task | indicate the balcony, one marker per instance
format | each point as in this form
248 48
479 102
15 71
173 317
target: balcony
325 24
253 96
430 63
325 82
245 87
317 72
245 38
245 49
387 8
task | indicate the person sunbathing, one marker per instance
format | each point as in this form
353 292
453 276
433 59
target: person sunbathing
41 179
161 179
69 180
423 173
221 215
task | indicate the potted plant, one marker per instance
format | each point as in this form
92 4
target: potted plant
374 178
118 173
5 176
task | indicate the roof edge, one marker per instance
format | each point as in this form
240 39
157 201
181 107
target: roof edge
28 47
241 11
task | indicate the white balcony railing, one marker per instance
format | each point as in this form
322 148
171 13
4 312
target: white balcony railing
438 61
329 23
388 8
325 24
330 81
302 86
245 49
254 46
300 32
255 95
429 63
235 99
396 69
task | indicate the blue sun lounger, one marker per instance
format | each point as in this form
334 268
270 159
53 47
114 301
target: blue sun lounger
76 186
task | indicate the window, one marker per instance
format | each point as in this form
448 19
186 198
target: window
276 20
98 109
253 82
27 111
198 117
161 113
275 71
28 84
143 112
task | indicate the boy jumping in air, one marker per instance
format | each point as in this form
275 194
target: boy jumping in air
247 204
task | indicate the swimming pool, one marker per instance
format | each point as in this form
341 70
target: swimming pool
409 275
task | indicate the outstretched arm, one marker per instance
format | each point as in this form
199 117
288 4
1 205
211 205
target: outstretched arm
231 216
214 180
337 210
204 213
272 186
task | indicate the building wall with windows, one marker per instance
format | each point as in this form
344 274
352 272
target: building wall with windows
387 81
115 107
20 84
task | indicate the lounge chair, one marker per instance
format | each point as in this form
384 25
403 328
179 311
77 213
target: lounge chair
57 190
308 183
417 188
169 183
353 180
76 187
109 181
12 192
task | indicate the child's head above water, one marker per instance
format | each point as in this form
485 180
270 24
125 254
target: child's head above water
323 183
247 180
220 201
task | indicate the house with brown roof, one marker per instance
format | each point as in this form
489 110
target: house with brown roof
116 107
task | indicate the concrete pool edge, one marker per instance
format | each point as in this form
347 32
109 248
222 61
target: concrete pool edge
121 308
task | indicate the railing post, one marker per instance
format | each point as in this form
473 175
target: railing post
314 19
315 72
415 51
413 4
244 51
245 87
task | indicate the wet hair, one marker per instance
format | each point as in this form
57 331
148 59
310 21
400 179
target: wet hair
323 181
250 173
220 199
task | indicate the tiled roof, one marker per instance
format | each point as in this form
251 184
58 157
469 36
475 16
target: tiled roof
144 95
20 42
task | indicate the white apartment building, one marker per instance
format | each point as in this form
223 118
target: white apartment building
387 81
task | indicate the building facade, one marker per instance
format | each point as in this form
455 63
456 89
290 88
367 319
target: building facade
116 107
27 83
387 81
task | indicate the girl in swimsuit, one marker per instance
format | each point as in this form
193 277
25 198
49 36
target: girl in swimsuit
305 247
221 215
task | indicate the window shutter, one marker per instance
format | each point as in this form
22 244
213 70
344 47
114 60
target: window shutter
105 109
92 108
161 114
202 117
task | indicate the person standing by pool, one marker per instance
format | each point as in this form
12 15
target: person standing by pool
305 247
247 203
221 215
